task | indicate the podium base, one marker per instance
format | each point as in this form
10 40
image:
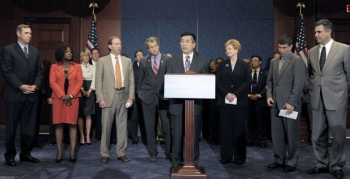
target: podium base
187 172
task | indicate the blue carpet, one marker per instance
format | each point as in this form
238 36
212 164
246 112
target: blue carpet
88 163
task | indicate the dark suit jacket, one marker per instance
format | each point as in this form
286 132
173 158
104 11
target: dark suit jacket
237 82
48 90
261 88
18 70
176 65
148 83
136 76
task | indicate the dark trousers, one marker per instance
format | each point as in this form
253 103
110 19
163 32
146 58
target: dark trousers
178 122
214 124
26 114
256 124
150 115
233 133
96 121
135 120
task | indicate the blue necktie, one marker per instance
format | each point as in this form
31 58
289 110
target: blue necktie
322 58
26 51
187 63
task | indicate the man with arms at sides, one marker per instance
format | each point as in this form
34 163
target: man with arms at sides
20 66
284 86
96 124
328 84
257 110
114 92
136 110
150 90
181 64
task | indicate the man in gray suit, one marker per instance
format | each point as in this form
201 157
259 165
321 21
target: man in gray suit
182 63
114 93
284 86
151 92
328 85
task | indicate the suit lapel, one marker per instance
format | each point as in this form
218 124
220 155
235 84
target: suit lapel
180 65
161 64
20 50
228 68
110 65
332 52
284 66
316 61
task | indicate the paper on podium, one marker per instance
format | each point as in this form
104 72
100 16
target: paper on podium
293 115
234 102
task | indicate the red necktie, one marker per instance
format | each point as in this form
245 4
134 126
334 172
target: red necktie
155 66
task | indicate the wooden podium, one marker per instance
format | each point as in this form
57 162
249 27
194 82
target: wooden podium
175 86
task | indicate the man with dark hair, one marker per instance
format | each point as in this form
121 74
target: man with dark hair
20 66
181 64
114 92
256 124
328 83
136 119
150 90
284 86
96 123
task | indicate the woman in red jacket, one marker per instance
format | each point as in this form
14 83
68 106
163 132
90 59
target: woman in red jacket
65 81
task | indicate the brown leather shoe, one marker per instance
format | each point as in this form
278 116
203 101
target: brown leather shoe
104 159
123 159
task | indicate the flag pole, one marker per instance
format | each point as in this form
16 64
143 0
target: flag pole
301 6
93 5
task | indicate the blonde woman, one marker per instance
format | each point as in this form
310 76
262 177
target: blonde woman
87 101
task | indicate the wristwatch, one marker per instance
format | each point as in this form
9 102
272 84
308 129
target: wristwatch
71 96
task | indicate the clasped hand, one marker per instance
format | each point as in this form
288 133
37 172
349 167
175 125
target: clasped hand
28 89
230 97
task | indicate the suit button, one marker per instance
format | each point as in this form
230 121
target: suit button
231 86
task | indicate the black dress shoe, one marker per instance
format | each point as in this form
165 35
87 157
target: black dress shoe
338 174
29 158
58 160
10 162
318 170
168 156
238 162
153 158
225 161
175 166
135 142
88 143
288 169
275 165
263 145
73 160
51 142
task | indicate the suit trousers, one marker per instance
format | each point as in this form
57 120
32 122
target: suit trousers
97 124
26 114
233 133
178 122
256 124
135 120
118 113
285 138
322 119
150 116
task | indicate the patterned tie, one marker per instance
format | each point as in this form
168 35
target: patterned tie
118 75
322 57
155 66
26 51
255 83
187 63
281 64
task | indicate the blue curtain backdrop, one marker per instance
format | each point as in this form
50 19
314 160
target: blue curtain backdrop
212 21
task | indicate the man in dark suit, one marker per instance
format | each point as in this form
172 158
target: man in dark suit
136 119
150 90
97 126
256 124
21 68
328 83
284 86
181 64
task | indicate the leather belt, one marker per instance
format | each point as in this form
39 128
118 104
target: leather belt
118 89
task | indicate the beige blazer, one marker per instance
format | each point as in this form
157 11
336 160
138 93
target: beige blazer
105 79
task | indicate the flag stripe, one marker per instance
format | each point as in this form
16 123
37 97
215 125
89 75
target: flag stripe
300 44
92 41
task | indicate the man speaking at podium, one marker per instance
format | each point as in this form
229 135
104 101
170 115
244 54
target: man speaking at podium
180 64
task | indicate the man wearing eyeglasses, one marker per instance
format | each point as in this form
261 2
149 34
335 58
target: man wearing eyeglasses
187 61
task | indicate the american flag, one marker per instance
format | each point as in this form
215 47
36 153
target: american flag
300 44
92 41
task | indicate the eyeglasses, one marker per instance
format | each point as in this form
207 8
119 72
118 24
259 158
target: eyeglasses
187 41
